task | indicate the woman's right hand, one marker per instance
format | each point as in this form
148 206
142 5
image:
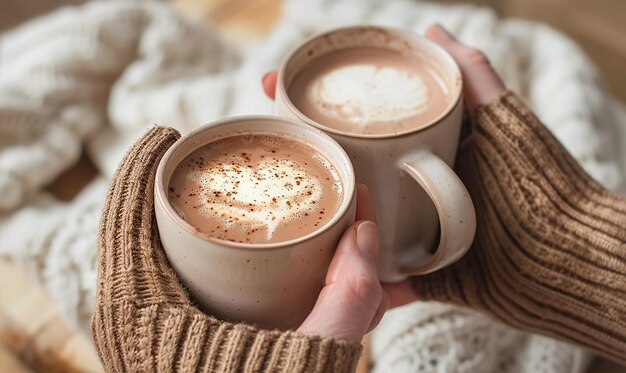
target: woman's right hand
481 86
548 256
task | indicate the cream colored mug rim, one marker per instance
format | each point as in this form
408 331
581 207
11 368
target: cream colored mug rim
457 80
349 186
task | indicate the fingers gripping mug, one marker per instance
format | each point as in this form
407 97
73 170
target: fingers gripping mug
393 101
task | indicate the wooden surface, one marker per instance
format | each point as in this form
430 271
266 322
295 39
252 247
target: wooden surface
32 335
239 21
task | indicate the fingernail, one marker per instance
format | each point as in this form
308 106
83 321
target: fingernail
367 240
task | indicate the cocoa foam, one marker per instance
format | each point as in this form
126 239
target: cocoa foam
369 90
256 189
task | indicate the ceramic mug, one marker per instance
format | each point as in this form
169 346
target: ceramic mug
273 285
420 202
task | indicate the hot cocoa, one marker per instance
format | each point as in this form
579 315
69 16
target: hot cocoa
256 189
370 90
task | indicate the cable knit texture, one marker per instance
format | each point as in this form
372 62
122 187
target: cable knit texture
143 319
97 75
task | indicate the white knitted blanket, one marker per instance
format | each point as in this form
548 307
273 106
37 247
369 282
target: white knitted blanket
99 75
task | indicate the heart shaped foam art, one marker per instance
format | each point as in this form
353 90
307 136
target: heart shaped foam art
365 93
265 195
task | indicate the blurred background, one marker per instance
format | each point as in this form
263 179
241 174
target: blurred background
32 335
599 26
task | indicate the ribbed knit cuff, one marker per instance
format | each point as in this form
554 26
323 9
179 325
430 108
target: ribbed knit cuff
549 253
441 286
191 341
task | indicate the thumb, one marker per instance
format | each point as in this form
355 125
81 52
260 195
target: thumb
352 300
482 83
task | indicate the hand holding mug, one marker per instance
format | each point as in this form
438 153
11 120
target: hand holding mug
144 312
142 327
482 85
250 212
393 100
533 265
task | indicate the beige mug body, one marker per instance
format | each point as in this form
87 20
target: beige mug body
270 285
420 202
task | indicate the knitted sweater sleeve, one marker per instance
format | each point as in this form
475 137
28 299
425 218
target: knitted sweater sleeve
144 320
550 249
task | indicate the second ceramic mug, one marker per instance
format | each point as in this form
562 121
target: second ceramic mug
419 200
272 285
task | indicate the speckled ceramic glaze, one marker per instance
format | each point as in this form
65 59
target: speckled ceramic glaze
425 215
270 285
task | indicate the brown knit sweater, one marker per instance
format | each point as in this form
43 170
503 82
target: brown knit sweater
144 320
549 257
550 250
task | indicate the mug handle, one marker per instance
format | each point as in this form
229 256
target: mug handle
457 219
